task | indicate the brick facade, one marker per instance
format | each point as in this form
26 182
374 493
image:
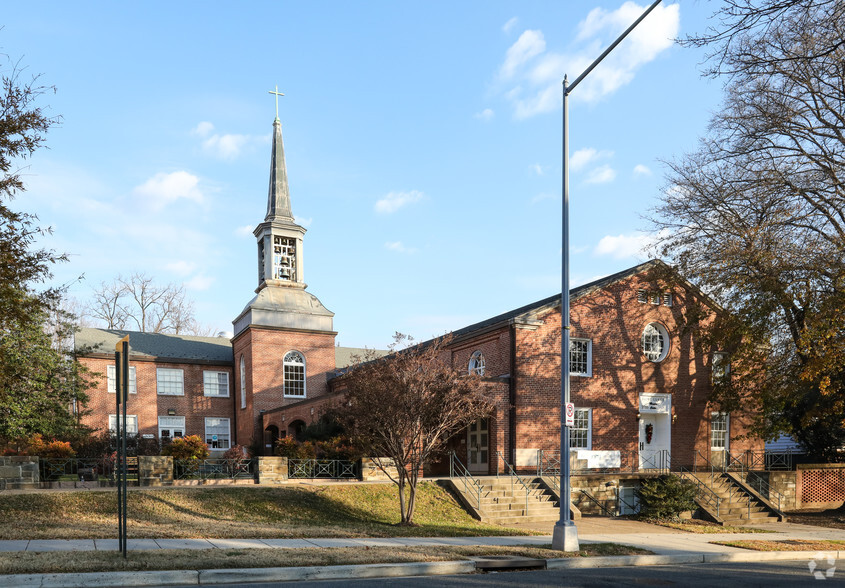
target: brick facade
148 405
521 353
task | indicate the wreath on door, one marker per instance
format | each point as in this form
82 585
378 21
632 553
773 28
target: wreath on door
649 431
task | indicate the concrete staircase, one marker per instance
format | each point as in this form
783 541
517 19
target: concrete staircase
505 500
738 504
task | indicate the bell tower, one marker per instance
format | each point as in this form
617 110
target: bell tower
283 341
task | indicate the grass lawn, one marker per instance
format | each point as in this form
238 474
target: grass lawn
698 526
175 559
785 545
238 512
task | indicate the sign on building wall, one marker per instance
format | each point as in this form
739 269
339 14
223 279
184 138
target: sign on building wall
656 403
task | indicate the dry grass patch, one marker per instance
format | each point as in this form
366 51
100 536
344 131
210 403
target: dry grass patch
176 559
785 545
705 527
238 512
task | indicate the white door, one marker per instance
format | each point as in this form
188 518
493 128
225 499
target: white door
478 446
654 441
629 502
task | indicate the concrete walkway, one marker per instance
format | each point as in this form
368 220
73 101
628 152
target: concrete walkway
670 546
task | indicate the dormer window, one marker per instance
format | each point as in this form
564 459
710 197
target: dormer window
284 258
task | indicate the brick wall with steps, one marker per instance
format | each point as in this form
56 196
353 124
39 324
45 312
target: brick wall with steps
504 500
739 505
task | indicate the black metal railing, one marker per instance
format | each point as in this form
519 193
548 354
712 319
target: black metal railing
74 469
337 469
471 486
213 469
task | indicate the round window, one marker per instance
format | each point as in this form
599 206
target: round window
476 364
655 342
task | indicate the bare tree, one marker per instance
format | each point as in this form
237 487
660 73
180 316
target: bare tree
405 406
138 303
756 216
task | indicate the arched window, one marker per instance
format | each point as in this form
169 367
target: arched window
294 366
655 342
243 382
476 363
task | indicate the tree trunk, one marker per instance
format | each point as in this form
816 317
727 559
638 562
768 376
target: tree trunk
401 484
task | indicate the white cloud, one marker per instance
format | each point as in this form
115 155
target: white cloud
641 170
226 146
536 75
529 45
399 247
200 282
396 200
485 114
182 268
601 175
302 221
584 157
203 129
537 169
508 26
624 246
163 189
244 231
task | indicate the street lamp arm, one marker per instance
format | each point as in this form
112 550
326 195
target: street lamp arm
570 87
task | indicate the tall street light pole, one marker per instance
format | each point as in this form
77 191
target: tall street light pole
565 536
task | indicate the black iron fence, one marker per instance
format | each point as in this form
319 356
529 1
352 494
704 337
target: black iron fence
338 469
75 469
213 469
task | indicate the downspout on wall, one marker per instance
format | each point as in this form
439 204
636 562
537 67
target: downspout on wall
512 399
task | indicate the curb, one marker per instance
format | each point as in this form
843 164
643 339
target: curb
249 575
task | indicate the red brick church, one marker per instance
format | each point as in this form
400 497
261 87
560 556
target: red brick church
638 382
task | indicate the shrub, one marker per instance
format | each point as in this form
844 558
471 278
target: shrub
666 497
36 446
237 452
190 447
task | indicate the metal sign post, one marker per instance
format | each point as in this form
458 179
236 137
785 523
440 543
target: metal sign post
121 369
565 537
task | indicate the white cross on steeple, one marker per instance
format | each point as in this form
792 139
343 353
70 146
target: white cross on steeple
277 93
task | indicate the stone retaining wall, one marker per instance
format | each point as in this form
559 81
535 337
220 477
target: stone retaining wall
272 470
18 473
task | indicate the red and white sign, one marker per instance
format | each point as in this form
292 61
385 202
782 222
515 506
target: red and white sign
570 414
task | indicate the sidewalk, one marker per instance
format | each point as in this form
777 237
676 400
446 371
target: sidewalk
670 546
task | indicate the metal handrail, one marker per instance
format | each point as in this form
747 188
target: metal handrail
595 500
472 486
513 475
764 488
709 496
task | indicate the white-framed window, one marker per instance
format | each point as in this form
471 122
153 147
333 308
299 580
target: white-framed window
581 434
110 376
655 342
642 296
131 424
294 366
719 430
284 258
476 363
654 298
580 357
171 427
217 433
215 384
721 367
667 299
243 382
170 382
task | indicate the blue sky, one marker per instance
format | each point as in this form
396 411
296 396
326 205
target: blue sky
423 146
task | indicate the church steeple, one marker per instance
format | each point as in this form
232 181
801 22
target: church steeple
279 237
278 197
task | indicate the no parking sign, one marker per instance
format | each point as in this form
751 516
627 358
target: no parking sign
570 414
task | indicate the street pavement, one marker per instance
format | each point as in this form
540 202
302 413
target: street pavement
672 547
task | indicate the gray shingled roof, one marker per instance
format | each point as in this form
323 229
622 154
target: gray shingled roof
215 349
343 355
528 311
